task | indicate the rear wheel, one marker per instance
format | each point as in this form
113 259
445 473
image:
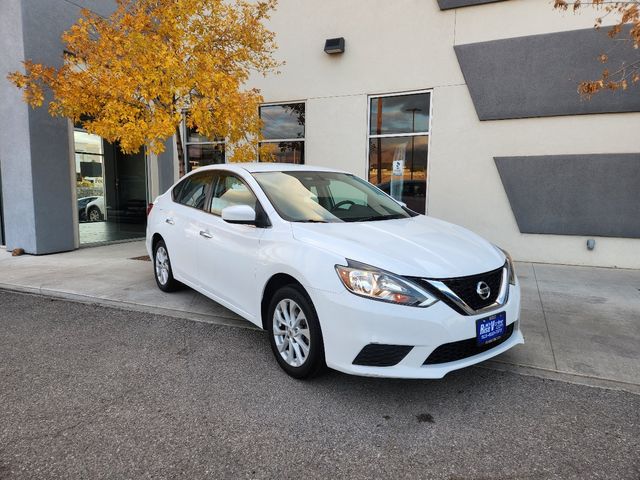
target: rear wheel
94 214
162 268
294 333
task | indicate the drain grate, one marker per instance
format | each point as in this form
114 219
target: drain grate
144 258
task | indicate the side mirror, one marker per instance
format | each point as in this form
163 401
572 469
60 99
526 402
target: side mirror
239 214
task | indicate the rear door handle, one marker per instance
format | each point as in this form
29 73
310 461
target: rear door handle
205 234
170 221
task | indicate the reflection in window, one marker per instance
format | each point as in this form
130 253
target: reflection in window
398 147
89 156
282 152
326 197
400 114
111 190
283 133
201 151
192 191
229 191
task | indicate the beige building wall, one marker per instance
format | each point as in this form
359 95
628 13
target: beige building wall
407 45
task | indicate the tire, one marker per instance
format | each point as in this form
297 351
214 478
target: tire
162 271
296 340
94 215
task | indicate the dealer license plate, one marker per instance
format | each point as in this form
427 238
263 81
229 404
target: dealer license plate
490 329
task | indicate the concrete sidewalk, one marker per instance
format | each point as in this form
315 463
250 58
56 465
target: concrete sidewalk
581 324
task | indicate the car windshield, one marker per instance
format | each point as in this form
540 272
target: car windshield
327 197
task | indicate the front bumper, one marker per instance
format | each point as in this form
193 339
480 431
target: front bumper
349 323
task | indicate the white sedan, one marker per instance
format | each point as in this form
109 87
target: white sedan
336 271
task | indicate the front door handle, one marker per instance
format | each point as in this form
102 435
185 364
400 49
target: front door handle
205 234
170 221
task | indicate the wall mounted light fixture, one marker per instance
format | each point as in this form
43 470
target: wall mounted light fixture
334 45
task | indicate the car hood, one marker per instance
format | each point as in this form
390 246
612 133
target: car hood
419 246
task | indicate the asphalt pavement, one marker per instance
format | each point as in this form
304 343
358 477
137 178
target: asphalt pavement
96 392
581 324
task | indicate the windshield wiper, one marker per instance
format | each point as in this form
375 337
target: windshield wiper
375 218
311 221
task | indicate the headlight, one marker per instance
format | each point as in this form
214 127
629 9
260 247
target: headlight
512 271
376 284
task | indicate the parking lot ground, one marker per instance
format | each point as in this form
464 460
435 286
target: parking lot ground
94 392
581 324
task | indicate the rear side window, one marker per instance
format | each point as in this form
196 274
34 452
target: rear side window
192 191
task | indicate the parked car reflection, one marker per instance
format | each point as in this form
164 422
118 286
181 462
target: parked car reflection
82 207
91 209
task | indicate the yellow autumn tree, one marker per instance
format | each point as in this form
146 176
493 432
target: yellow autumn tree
625 29
131 77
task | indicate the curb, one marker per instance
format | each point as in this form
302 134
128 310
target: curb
496 365
130 306
560 376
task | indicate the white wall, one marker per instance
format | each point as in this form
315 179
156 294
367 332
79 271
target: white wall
407 45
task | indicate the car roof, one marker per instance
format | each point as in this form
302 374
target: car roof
255 167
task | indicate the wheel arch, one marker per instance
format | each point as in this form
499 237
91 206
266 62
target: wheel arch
274 283
154 241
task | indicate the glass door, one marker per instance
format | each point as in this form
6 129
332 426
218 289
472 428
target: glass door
89 161
111 189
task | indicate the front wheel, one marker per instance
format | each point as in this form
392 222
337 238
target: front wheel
162 268
294 333
94 214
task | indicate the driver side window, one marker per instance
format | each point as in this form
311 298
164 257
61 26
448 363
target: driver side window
229 190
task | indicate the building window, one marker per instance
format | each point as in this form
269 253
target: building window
283 133
201 151
398 146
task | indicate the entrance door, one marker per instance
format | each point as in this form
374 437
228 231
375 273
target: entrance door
111 190
127 195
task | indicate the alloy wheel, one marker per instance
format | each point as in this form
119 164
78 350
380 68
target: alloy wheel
291 333
94 215
162 265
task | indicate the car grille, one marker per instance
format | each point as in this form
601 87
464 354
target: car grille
376 355
450 352
466 288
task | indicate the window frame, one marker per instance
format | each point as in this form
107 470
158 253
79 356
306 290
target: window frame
188 178
428 134
184 130
281 140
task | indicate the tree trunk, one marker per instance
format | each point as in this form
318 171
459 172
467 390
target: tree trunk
181 162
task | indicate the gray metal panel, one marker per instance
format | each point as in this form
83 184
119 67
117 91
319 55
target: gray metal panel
591 195
448 4
1 214
538 75
101 7
38 190
53 189
165 167
15 152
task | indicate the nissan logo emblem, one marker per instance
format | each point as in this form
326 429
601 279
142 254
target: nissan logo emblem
483 290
